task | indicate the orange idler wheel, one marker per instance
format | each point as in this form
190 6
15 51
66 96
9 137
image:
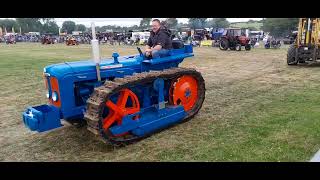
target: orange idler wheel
119 109
184 91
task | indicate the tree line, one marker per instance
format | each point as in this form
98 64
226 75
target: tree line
280 27
42 25
48 25
276 26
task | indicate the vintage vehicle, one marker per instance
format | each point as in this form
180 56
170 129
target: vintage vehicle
122 99
307 43
48 39
10 39
71 41
234 39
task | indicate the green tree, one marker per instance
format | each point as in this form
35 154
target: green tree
49 26
171 22
8 24
29 24
145 22
133 27
222 23
68 26
180 26
252 28
197 23
280 26
80 27
218 23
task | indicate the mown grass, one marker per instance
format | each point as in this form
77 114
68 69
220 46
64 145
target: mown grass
286 128
256 109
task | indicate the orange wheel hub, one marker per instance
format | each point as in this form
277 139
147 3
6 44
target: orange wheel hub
184 91
120 109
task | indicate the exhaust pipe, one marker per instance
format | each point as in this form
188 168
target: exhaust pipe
95 51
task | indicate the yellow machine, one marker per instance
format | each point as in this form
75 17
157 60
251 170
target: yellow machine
307 43
206 43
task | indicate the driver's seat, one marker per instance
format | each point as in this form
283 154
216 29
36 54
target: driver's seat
177 44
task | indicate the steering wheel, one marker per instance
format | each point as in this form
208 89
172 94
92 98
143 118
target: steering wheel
140 52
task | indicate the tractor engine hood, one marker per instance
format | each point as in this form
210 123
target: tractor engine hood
86 66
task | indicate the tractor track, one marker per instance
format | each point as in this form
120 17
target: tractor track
96 102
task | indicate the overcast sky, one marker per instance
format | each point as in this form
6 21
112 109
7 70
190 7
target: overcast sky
126 21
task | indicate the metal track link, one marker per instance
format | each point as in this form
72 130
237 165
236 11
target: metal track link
97 100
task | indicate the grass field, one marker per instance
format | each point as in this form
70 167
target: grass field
256 109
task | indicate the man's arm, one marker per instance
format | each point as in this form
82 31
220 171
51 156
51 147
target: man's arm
157 47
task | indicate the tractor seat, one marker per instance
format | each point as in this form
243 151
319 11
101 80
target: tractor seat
177 44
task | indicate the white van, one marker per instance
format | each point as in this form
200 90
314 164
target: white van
144 36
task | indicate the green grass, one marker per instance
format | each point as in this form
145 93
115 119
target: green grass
270 128
256 109
274 131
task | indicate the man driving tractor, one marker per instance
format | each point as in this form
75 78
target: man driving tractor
159 42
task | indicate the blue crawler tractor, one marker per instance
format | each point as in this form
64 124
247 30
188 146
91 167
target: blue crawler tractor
135 97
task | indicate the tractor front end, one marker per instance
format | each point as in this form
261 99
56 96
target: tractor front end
47 116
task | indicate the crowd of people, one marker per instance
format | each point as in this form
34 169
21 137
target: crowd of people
20 38
85 38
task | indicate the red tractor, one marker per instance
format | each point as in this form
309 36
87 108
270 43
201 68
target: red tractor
234 39
47 39
71 41
10 39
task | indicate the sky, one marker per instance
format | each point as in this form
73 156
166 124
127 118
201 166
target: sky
126 21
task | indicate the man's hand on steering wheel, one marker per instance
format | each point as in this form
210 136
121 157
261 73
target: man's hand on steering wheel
148 52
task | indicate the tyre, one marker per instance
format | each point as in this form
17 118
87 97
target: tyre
247 47
224 45
278 46
291 56
267 46
238 47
